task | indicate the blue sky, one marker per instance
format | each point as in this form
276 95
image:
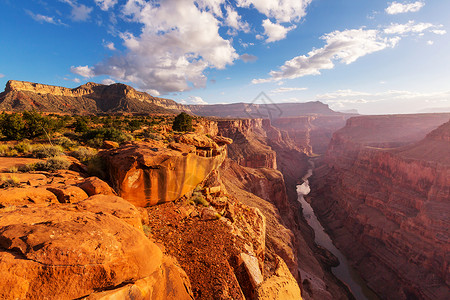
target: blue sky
374 56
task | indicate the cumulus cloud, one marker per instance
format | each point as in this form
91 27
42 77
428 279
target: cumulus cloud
281 10
341 46
105 4
108 81
275 32
399 8
197 100
84 71
234 20
248 57
288 89
178 41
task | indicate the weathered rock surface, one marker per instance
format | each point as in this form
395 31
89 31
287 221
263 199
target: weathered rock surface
88 98
61 253
387 208
146 173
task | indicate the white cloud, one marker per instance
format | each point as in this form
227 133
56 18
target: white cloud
234 20
76 80
288 89
275 32
430 43
80 12
439 31
197 100
105 4
110 46
342 46
281 10
2 75
84 71
399 8
108 81
248 57
44 19
409 27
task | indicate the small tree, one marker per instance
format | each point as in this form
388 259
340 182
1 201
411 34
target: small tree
182 122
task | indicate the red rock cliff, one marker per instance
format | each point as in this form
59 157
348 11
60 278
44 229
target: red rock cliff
387 208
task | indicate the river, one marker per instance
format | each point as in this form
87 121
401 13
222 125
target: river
344 271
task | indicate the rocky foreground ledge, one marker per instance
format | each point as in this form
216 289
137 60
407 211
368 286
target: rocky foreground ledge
67 236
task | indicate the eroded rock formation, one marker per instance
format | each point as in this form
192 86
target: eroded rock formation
149 173
384 195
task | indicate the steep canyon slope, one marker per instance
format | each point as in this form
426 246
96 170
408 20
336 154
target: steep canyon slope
263 167
383 193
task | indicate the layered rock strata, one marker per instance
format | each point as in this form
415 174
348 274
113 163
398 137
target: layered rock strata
273 192
387 206
149 173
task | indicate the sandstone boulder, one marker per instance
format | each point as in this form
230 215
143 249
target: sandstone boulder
68 194
113 205
24 196
61 253
146 175
197 140
94 185
167 283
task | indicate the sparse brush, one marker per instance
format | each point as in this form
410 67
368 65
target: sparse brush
24 147
13 169
27 168
4 149
83 154
65 142
44 151
52 164
199 200
12 181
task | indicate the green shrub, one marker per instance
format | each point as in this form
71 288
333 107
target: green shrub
111 134
182 122
43 151
52 164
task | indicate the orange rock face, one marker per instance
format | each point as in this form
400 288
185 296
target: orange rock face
62 253
388 207
146 175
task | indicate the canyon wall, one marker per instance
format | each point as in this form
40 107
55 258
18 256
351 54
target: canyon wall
382 192
311 134
264 167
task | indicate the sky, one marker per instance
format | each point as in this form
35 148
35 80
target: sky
371 55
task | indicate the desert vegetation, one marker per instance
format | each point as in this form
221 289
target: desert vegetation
52 137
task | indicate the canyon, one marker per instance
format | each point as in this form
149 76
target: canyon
215 213
382 192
